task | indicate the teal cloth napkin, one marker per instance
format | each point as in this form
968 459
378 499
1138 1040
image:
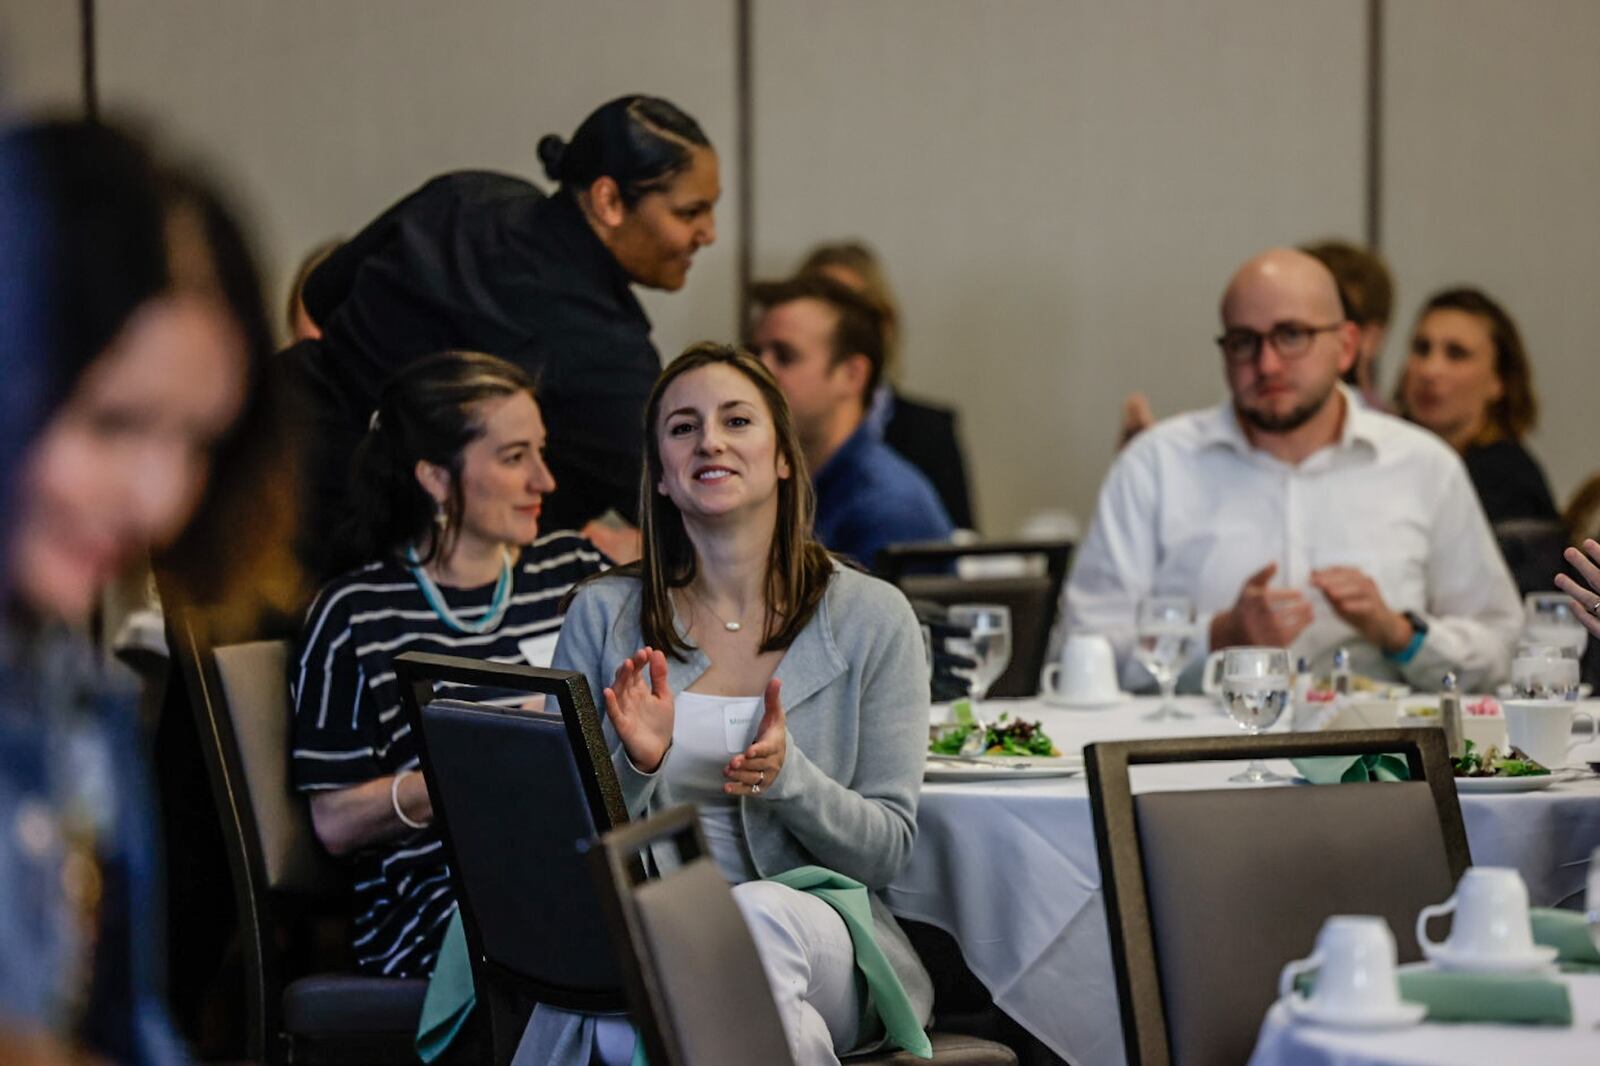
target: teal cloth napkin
450 997
1568 933
1514 999
1351 769
849 898
1483 997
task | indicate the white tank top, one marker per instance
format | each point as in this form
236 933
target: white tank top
707 731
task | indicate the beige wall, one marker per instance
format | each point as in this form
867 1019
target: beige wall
1058 189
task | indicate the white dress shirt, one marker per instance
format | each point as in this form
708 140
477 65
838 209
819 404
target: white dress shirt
1190 508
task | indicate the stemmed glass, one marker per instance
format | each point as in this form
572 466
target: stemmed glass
989 646
1165 640
1255 690
1548 618
1544 672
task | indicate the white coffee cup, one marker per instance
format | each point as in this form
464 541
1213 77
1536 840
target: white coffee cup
1543 729
1355 965
1086 673
1491 920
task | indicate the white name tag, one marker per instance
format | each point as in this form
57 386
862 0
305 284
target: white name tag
539 651
738 723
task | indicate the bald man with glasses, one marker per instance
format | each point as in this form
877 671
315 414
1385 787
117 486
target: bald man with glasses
1293 516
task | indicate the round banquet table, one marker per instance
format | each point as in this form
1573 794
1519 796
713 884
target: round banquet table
1009 868
1285 1043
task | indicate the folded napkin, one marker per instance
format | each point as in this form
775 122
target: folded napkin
552 1035
1350 769
450 998
849 897
1485 997
1568 933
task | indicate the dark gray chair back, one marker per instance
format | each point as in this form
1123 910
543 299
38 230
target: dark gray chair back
1209 893
1034 600
239 694
518 795
698 992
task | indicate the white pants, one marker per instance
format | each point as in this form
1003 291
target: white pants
811 965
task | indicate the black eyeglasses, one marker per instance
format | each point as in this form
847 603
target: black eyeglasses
1291 340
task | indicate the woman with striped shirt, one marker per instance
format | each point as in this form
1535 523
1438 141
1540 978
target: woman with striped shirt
448 487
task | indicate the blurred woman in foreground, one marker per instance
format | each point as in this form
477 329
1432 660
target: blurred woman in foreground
136 384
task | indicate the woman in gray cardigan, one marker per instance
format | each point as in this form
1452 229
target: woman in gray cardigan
746 671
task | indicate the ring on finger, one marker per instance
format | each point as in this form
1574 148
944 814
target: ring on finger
1594 608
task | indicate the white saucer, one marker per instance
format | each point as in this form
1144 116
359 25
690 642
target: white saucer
1084 703
1400 1016
1539 958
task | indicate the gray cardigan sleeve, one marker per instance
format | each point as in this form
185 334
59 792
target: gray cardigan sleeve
582 647
865 827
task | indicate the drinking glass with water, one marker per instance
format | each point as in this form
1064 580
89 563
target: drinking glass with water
988 646
1255 691
1166 639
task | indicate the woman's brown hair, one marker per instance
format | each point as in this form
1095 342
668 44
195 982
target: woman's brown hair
1516 412
798 568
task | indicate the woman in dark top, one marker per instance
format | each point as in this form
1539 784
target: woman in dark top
448 490
484 262
1468 379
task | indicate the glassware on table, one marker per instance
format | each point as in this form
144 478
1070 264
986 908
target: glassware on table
1255 691
989 646
1544 672
1165 640
1548 618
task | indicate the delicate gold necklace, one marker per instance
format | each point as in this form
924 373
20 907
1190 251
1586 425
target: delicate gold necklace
731 627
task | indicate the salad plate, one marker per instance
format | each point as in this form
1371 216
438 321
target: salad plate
1001 767
1528 783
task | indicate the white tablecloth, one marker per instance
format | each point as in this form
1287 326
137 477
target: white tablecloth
1009 868
1285 1043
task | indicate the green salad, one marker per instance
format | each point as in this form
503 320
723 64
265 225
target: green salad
1493 764
1003 738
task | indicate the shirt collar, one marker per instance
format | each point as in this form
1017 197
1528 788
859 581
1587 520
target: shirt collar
1361 427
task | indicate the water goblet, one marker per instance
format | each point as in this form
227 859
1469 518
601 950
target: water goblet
1548 618
1544 672
1165 633
989 647
1255 691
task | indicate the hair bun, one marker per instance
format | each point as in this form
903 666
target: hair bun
551 151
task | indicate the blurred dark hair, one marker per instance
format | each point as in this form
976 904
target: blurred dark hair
859 331
798 568
429 410
859 259
1516 412
641 142
1366 289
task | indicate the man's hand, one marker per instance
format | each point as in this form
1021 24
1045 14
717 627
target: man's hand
1355 597
1262 616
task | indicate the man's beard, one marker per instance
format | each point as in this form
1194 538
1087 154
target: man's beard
1267 422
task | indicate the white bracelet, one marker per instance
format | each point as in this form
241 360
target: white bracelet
394 799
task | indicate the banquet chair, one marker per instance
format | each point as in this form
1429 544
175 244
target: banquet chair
1532 549
517 794
690 965
923 572
1209 893
240 697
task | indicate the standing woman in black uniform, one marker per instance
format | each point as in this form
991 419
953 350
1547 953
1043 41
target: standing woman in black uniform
485 262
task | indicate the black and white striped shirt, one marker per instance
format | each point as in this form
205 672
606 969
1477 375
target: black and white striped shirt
348 726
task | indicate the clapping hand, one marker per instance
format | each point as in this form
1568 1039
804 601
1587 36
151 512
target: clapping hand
754 770
1262 616
1585 600
640 707
1355 597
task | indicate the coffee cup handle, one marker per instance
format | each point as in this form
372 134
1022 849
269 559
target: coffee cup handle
1051 679
1594 729
1291 973
1432 911
1210 683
